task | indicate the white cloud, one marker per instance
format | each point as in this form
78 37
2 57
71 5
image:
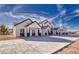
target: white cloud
25 16
54 17
68 18
10 14
16 8
62 13
76 11
43 12
59 7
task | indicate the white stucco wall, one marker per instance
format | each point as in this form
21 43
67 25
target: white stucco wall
34 25
16 29
43 31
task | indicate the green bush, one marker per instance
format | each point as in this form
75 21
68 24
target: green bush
4 30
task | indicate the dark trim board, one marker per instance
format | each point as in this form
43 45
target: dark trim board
23 21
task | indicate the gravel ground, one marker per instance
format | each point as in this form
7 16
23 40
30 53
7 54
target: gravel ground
71 49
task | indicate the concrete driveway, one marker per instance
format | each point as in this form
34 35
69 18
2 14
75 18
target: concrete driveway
35 45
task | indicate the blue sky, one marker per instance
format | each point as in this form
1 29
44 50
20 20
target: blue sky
63 14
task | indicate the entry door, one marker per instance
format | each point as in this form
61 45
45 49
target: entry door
39 32
22 32
28 34
33 32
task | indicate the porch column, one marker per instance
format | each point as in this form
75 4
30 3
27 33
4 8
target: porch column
30 32
41 32
54 32
47 32
36 32
25 32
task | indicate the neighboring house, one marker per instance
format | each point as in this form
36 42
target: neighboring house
28 28
60 30
55 31
63 30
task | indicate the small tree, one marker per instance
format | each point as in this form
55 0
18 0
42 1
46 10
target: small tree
3 30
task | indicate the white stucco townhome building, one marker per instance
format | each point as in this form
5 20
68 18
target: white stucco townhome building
28 28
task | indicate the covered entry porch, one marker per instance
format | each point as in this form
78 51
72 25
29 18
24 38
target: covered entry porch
33 32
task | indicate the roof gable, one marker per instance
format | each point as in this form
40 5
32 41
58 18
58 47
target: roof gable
33 25
23 21
43 21
45 27
46 21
